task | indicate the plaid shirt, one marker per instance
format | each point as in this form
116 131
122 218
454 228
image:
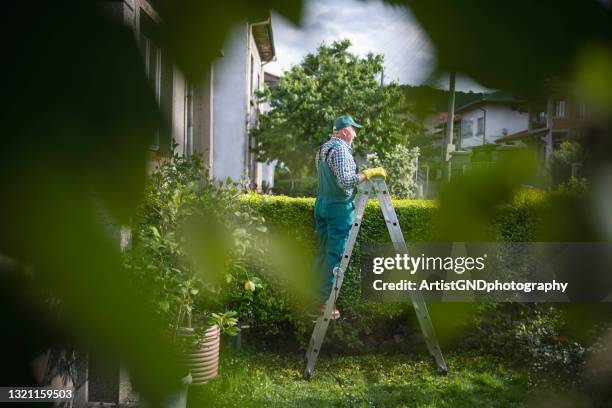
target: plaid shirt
341 163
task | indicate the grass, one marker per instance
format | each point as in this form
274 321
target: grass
256 378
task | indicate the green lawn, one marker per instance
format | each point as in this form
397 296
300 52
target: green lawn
252 378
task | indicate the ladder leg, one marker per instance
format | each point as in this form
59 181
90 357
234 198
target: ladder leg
418 302
318 334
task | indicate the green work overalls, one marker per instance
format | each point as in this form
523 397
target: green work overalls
333 213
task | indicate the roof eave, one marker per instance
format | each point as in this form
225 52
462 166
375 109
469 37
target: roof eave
264 43
523 135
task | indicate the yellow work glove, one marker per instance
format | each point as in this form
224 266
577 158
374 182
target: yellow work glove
375 172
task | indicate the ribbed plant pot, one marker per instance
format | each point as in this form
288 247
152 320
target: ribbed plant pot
201 357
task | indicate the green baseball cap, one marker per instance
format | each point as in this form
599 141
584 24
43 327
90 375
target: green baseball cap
345 121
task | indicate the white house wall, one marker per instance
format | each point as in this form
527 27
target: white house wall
230 108
498 118
503 117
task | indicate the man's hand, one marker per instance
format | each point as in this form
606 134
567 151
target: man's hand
374 172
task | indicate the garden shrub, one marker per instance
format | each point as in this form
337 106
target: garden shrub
535 335
517 221
192 245
562 160
576 186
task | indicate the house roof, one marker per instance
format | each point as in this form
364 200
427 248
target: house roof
524 134
491 98
262 34
270 78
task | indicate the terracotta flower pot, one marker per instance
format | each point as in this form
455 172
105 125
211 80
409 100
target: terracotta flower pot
201 357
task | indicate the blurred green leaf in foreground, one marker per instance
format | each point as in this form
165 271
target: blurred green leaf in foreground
78 117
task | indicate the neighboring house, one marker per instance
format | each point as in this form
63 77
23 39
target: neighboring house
551 121
497 124
212 118
478 126
490 118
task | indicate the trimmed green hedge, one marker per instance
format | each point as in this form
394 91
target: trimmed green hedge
517 221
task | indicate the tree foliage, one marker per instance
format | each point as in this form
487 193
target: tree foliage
326 84
401 166
562 160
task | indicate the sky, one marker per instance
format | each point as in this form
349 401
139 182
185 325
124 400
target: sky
371 26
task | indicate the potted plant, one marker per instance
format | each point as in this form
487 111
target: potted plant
201 354
178 237
198 339
198 347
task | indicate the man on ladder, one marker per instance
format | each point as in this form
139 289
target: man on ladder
334 209
338 221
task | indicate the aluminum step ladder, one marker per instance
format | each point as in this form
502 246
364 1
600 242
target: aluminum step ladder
376 187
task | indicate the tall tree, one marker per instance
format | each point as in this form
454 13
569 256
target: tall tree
328 83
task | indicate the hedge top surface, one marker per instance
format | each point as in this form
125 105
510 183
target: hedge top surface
522 198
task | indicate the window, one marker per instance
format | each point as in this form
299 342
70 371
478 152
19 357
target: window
153 62
152 55
480 126
560 109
